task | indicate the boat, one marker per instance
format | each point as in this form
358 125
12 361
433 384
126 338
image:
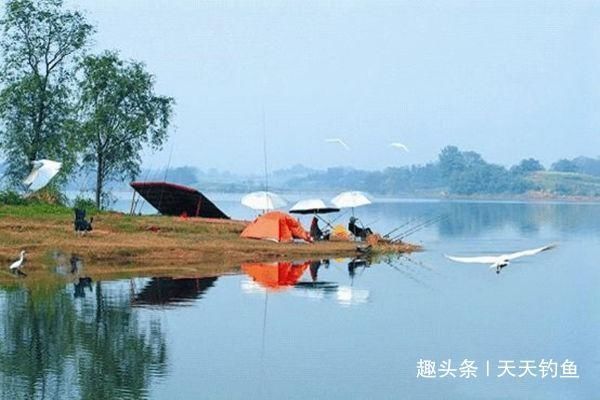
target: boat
178 200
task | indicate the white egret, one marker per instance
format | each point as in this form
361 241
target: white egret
338 141
42 172
16 266
399 145
500 261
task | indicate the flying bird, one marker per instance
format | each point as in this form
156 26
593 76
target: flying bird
41 173
338 141
501 261
399 146
16 266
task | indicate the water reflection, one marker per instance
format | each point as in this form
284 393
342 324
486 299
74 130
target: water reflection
302 279
321 321
527 218
54 345
79 287
169 291
275 276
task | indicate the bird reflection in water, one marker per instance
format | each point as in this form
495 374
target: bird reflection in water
80 286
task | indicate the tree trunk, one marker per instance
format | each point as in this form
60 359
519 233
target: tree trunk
99 182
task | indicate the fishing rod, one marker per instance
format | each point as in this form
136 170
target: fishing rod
387 235
420 217
410 228
419 263
339 216
324 220
407 274
371 222
423 226
419 227
397 228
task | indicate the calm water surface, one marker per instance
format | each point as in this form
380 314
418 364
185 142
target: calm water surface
336 330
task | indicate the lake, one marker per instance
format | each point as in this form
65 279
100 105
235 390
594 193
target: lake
332 329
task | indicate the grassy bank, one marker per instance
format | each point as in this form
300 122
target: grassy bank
124 245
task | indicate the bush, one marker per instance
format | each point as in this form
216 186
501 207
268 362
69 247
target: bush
49 195
10 198
84 203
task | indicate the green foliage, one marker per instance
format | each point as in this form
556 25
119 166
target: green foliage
582 165
11 198
527 166
85 203
467 173
567 183
120 113
587 165
565 166
40 45
49 196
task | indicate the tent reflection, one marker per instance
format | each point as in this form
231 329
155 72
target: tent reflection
275 276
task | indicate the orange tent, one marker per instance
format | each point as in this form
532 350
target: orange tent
276 226
275 276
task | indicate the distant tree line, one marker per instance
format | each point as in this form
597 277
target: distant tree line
58 101
580 165
454 172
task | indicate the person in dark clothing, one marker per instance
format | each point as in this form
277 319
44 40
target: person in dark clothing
81 224
359 232
315 231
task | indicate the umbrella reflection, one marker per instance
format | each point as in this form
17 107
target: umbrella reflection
347 295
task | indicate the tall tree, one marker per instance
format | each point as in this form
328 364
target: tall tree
41 44
120 115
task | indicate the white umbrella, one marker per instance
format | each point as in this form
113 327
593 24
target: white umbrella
313 206
263 201
43 171
351 199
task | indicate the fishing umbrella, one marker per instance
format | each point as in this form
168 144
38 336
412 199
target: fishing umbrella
350 200
315 207
312 206
263 201
42 172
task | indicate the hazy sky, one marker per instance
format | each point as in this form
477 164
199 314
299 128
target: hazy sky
508 79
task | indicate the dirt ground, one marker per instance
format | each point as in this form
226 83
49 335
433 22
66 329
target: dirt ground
124 245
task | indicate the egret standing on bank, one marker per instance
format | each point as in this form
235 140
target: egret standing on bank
16 266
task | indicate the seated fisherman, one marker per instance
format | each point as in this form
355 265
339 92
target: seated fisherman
315 232
81 224
359 232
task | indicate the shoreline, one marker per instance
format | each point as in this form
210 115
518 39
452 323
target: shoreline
125 245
